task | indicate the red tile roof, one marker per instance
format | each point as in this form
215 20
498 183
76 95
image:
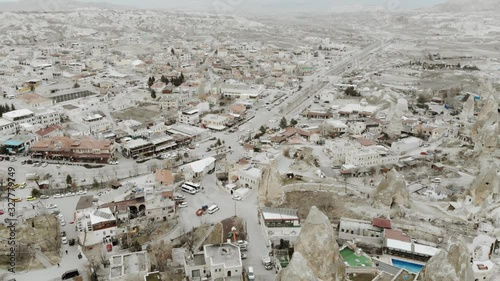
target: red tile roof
396 235
383 223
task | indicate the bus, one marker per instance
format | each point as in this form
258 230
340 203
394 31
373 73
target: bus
196 186
188 189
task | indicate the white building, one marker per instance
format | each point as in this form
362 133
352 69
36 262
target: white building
337 149
160 208
11 121
216 262
198 168
406 144
95 226
371 156
239 91
328 96
214 121
189 117
96 123
250 177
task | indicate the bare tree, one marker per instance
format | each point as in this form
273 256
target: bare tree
150 227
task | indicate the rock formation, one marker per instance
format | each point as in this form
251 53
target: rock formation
318 247
486 186
395 125
392 192
468 110
450 264
297 270
485 131
270 187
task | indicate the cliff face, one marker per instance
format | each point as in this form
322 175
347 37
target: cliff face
270 187
297 270
486 185
451 264
392 192
318 247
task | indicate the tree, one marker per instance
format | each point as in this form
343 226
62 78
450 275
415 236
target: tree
263 129
153 94
293 122
186 155
217 51
95 184
218 143
76 85
172 51
181 78
320 48
163 78
32 88
421 99
150 82
35 192
69 180
283 123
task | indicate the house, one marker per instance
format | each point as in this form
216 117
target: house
20 143
49 132
333 128
137 148
160 208
250 177
366 231
189 116
398 243
239 91
198 168
216 262
406 144
95 226
280 223
238 109
371 156
127 266
164 177
34 100
214 122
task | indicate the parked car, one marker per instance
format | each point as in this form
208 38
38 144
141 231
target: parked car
236 197
23 185
64 240
44 196
51 206
179 197
30 198
183 205
113 162
2 212
63 222
81 192
267 262
45 164
58 166
57 195
54 212
243 256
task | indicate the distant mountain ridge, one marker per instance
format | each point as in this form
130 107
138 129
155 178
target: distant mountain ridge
463 6
56 5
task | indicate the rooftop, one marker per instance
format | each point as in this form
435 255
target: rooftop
226 254
17 113
352 259
280 214
84 202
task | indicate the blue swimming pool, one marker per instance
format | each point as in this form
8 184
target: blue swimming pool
411 267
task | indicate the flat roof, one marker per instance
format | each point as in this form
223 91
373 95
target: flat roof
18 113
425 250
226 254
216 127
136 143
279 214
5 122
399 245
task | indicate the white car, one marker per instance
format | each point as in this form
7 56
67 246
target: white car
64 240
58 166
183 205
113 163
57 196
63 222
236 197
179 197
81 192
51 206
45 164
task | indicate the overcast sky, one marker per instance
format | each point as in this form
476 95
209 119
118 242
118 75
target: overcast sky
273 5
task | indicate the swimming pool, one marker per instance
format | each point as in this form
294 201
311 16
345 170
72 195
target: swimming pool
411 267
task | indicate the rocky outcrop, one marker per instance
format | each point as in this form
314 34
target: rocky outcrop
486 130
270 186
392 192
450 264
318 247
486 187
297 270
468 109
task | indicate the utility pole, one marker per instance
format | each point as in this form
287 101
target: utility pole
234 208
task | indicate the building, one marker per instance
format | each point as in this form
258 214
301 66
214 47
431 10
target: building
280 223
250 177
398 243
190 117
164 177
239 91
406 144
366 231
34 100
138 148
371 157
49 132
97 123
214 122
70 94
7 127
129 265
19 143
95 226
160 208
216 262
333 128
40 119
81 149
337 149
197 169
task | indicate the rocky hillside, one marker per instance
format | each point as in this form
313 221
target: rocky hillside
316 254
392 193
451 264
486 185
464 6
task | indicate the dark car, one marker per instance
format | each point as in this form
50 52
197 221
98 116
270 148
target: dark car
70 274
29 162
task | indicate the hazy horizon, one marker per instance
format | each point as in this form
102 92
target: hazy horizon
258 5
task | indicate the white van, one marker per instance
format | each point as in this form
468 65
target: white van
251 274
436 180
212 209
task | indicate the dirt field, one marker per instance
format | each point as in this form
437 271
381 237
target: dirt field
139 113
333 205
45 235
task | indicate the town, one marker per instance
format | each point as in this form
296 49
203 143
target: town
153 145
